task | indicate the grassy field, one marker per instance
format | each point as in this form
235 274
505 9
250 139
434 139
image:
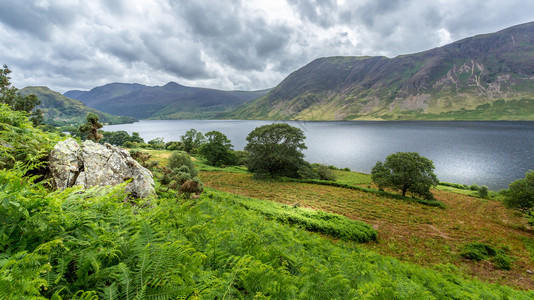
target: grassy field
428 236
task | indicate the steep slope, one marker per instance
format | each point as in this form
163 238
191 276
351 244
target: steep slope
104 92
484 77
171 101
60 110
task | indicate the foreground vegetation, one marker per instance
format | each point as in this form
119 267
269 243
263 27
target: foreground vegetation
98 243
83 244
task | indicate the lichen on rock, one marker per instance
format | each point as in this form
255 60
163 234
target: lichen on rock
98 165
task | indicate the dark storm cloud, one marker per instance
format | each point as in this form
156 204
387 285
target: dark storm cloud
241 41
37 20
320 12
234 44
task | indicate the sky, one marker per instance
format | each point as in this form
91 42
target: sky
224 44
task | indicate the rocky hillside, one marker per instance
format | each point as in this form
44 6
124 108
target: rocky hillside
488 76
60 110
171 101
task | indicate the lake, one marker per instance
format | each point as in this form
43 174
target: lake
485 153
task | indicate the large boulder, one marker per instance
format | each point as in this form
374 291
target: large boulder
98 165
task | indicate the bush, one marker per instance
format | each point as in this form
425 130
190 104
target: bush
324 172
173 146
179 159
477 251
157 144
180 175
520 194
483 191
502 261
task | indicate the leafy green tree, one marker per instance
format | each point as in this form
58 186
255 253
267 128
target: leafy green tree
11 96
117 138
406 171
218 149
91 127
520 194
275 150
157 143
192 140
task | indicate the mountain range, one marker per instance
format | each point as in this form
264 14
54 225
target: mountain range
485 77
59 110
171 101
488 76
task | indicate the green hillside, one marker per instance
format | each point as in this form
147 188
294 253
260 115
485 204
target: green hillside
60 110
486 77
99 244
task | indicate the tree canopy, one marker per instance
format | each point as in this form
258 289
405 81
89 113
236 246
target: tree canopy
406 171
91 127
10 95
520 194
191 140
275 150
218 149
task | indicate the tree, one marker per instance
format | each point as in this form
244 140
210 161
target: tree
10 95
218 149
191 140
91 127
157 143
275 150
406 171
520 194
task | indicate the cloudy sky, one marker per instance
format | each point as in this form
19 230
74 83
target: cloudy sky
224 44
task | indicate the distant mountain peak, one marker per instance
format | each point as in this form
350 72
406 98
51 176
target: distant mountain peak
489 76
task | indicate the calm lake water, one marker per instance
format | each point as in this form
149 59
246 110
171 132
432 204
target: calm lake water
485 153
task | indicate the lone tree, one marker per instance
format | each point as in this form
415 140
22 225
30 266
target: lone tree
10 95
218 149
91 127
275 150
406 171
191 140
520 194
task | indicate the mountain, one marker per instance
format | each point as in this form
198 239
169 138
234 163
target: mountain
488 76
171 101
61 110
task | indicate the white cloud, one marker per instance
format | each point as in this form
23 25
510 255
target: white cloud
234 44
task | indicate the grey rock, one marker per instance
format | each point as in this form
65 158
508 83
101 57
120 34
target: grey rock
65 163
94 164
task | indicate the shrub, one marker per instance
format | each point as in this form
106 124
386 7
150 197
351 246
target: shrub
477 251
502 261
179 159
324 172
483 191
157 143
173 146
520 194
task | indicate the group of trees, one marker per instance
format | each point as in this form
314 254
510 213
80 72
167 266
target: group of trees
11 96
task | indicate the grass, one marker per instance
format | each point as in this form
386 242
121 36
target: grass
312 220
427 236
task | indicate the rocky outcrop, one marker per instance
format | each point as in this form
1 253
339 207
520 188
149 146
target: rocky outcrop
94 164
